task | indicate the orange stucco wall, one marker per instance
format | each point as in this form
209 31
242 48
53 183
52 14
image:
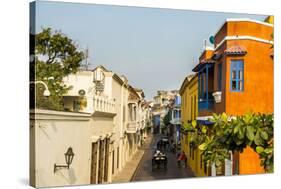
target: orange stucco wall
249 28
244 28
206 54
258 90
257 95
249 162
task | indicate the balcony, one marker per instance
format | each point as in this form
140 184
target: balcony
206 104
131 127
103 104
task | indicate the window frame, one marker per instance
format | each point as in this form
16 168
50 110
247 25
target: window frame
237 65
219 80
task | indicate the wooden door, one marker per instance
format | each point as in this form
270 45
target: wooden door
106 160
94 155
101 162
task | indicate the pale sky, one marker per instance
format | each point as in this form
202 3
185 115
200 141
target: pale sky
154 48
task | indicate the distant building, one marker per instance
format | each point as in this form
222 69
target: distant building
160 108
176 123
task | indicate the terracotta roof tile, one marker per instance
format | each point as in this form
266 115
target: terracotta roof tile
207 61
236 50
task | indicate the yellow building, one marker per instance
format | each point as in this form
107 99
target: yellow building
269 19
189 109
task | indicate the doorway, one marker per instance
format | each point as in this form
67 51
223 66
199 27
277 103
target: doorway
94 155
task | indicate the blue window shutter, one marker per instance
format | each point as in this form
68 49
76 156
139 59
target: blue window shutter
237 66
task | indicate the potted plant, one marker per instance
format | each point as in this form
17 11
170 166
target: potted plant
217 96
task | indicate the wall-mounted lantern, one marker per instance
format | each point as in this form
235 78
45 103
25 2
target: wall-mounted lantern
68 159
46 91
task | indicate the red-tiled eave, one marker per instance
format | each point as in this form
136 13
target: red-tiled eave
204 61
236 50
207 61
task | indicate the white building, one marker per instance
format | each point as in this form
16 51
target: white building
102 124
160 108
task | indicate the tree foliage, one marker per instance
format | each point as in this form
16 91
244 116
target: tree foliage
167 118
234 134
56 56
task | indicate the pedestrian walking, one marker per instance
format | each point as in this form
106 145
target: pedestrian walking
182 157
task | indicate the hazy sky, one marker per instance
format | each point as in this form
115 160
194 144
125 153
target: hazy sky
154 48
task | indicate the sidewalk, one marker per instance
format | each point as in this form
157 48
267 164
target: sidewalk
129 169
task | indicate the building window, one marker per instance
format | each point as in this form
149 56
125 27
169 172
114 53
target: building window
194 111
237 75
191 109
76 105
219 76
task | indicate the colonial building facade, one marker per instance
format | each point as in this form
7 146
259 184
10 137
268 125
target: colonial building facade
234 77
110 112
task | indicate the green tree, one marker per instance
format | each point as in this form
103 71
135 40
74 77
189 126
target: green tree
56 56
234 134
167 118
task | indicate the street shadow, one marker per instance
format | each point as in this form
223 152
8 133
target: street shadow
72 176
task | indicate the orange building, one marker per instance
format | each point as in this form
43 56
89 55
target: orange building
236 77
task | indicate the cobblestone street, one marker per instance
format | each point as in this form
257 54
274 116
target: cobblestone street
144 171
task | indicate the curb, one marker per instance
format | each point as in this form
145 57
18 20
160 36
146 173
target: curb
134 174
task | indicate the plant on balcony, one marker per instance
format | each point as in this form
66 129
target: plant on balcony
56 56
235 134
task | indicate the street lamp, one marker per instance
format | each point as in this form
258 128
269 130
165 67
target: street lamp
68 159
46 91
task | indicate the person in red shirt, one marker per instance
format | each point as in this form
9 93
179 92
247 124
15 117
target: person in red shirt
182 157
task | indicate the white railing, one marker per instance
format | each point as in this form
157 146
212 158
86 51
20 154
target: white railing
176 121
103 104
131 127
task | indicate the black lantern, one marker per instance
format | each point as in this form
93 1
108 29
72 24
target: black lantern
68 159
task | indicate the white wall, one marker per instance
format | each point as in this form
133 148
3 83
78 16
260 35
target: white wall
118 121
54 133
80 80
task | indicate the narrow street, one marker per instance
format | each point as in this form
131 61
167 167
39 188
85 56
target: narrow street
144 171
